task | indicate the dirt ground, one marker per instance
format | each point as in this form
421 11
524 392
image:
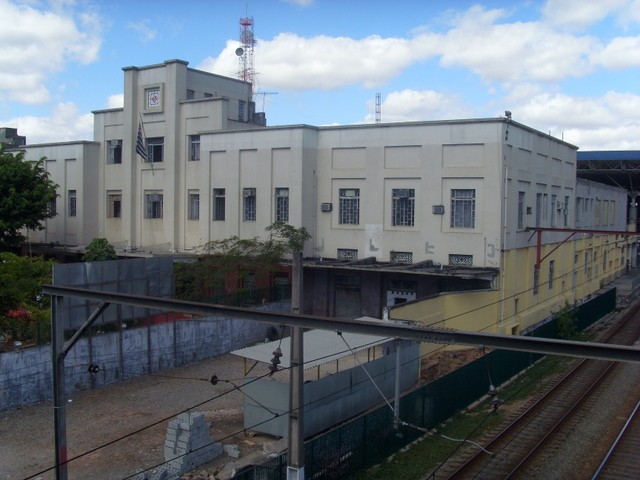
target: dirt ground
118 431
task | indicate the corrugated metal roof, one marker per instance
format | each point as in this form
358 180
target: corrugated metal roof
320 346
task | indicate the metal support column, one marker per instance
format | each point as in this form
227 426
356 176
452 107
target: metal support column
295 463
59 412
396 402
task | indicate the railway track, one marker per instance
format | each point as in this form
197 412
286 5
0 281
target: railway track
621 460
523 449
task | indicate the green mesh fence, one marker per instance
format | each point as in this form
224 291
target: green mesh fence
369 439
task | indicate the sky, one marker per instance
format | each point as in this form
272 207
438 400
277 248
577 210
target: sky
570 68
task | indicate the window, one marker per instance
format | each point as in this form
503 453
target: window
241 105
194 206
521 200
401 257
347 254
53 207
114 205
553 209
565 210
551 269
403 206
191 94
114 153
249 207
155 149
153 205
538 209
208 95
282 204
545 207
462 260
463 208
218 204
349 213
72 203
194 148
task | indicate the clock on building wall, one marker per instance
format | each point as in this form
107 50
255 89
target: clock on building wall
153 98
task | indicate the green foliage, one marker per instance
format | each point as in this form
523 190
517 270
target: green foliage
224 263
24 309
26 192
566 323
99 250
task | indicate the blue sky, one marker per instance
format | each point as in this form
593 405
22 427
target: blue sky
566 67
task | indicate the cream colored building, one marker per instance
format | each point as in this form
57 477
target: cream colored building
456 194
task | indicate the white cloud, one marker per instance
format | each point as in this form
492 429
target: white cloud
415 105
116 100
621 52
144 30
66 123
36 43
580 13
606 122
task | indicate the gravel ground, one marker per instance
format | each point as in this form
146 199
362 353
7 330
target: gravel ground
98 417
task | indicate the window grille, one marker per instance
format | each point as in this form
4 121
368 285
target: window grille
403 206
463 208
349 213
282 205
72 203
194 206
249 207
402 257
461 260
218 204
153 205
194 148
191 94
347 254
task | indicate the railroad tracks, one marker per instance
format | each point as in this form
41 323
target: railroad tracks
524 448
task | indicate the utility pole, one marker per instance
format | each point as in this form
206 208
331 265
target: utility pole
295 462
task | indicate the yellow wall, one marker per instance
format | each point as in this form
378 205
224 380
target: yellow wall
515 307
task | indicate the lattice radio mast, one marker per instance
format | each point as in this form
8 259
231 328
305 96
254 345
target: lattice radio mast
378 108
246 70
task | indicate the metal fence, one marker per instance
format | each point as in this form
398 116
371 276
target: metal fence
369 439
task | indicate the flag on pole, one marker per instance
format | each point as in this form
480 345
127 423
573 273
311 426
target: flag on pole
141 148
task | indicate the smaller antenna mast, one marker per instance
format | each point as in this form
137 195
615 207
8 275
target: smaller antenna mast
378 108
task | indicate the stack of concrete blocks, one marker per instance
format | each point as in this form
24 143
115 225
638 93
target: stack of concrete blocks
188 444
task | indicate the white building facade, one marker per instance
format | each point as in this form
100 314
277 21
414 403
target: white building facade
452 193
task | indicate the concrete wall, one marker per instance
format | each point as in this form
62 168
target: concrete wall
331 399
25 375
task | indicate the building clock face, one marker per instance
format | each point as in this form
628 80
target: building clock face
153 98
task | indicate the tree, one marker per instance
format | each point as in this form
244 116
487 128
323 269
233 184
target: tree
223 263
99 250
26 193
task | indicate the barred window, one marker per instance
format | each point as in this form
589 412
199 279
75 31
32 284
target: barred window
461 260
53 207
218 204
72 203
403 206
402 257
349 213
114 151
153 205
194 206
249 207
114 205
282 205
194 148
554 201
347 254
463 208
191 94
241 107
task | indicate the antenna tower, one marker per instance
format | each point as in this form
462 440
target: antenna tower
378 108
246 71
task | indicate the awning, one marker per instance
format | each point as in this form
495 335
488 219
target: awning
320 347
